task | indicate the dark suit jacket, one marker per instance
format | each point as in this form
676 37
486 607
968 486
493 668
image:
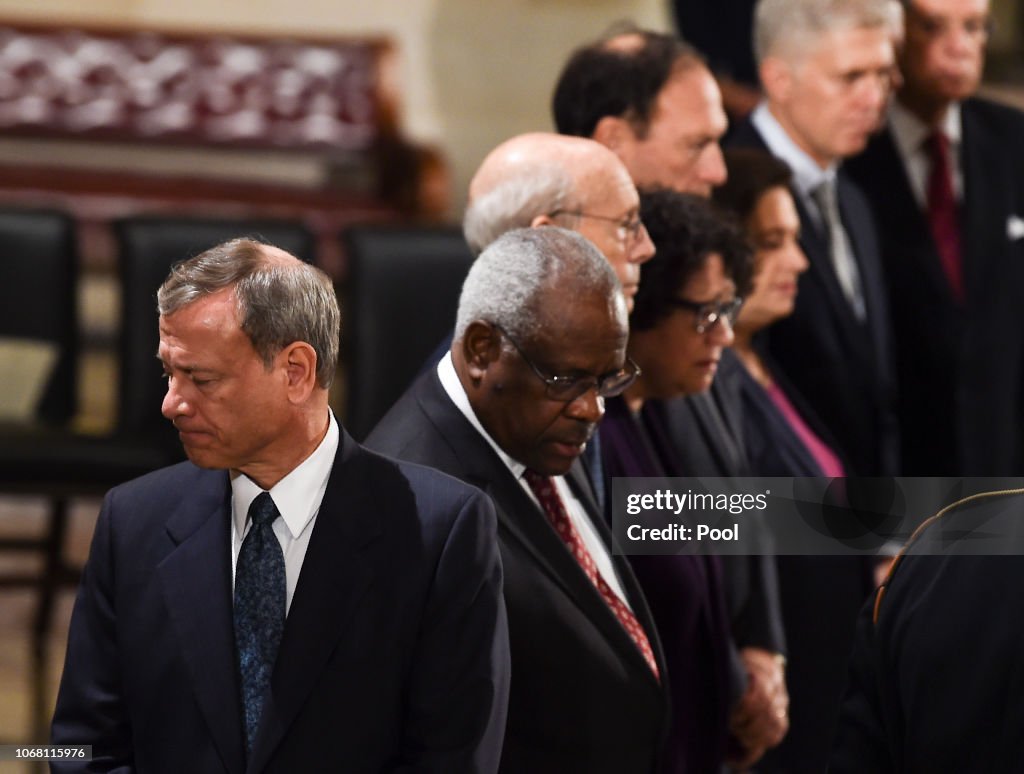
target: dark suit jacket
961 368
687 599
773 448
820 595
937 685
844 368
582 696
394 655
706 430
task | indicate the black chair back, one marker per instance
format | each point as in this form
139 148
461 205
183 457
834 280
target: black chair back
148 247
402 294
38 276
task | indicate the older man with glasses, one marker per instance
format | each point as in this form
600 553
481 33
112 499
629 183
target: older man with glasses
540 343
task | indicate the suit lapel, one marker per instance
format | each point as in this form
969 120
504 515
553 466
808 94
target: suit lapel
196 582
983 220
522 520
902 217
336 573
814 243
822 273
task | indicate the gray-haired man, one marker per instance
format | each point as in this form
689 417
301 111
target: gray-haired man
540 340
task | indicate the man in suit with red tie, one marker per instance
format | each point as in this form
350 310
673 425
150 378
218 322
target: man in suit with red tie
540 341
946 182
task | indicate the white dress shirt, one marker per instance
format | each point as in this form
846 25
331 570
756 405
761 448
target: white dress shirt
577 513
807 175
909 134
298 497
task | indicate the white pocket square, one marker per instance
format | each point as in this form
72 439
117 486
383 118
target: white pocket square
1014 228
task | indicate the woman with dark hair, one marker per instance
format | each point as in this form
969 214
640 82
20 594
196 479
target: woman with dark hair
820 595
681 323
781 435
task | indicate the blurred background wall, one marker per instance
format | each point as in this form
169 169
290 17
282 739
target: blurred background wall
470 73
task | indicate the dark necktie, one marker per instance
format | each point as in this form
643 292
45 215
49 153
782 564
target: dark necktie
544 488
259 609
943 217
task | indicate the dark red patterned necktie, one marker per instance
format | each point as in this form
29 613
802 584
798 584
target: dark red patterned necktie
942 212
544 488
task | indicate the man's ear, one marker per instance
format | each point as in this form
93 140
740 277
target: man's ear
614 133
776 78
299 362
481 346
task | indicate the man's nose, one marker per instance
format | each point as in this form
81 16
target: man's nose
174 403
588 407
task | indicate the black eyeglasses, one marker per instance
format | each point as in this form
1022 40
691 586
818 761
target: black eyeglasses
706 315
627 228
569 388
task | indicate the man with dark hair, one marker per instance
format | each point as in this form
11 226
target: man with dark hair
946 181
651 99
285 600
540 341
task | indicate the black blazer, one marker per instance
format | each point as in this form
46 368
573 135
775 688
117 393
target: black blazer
961 368
843 367
820 595
582 697
394 655
706 430
937 684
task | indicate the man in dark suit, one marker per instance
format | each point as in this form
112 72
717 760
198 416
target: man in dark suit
946 181
650 98
286 600
825 67
540 339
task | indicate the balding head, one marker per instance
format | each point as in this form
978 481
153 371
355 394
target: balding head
532 175
541 179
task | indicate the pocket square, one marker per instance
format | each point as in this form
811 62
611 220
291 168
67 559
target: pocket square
1014 228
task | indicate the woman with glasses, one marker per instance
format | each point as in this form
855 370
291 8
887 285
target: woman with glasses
820 595
681 323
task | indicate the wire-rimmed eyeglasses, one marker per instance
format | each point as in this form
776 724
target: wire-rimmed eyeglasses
627 227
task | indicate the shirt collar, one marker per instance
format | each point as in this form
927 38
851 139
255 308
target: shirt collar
451 384
909 132
299 494
807 175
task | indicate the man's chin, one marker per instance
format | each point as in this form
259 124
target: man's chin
204 458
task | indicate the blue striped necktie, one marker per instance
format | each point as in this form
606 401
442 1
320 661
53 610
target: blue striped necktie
259 609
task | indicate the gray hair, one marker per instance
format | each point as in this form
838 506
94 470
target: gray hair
279 302
779 24
506 282
532 187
